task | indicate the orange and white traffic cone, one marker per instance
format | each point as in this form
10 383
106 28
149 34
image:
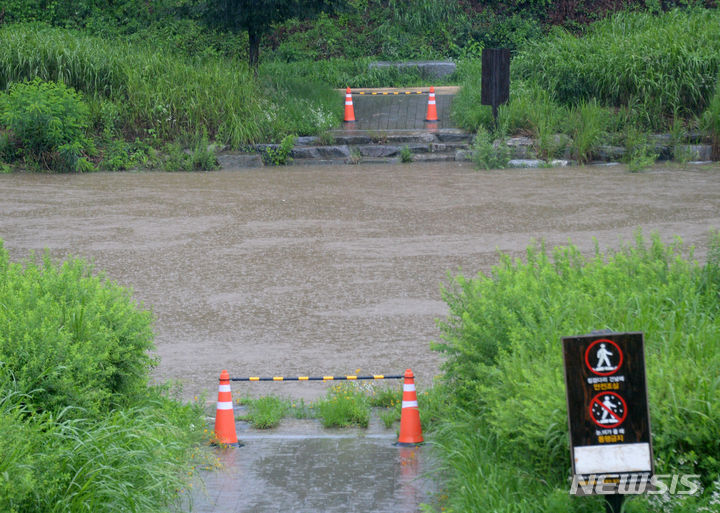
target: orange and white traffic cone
432 108
410 429
349 111
225 416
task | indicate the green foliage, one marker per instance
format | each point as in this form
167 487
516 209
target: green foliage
385 397
487 154
639 151
280 155
667 63
136 91
79 426
257 17
405 154
345 405
588 123
512 424
711 121
71 339
202 158
134 459
119 155
47 123
266 412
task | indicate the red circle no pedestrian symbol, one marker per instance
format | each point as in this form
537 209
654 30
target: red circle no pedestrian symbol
603 357
608 410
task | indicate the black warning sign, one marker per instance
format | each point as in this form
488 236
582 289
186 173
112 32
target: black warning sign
607 404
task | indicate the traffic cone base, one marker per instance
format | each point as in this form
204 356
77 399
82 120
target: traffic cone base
432 107
410 428
349 110
225 433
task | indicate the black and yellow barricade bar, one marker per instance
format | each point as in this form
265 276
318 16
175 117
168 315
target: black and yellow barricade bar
318 378
388 93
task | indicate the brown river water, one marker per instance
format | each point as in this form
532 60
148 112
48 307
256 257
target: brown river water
324 270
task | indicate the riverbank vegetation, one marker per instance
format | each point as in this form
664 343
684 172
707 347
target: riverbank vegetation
504 436
630 75
165 88
81 428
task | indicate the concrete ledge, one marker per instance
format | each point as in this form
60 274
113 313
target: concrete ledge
427 69
239 160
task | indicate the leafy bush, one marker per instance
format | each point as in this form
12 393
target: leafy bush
71 339
639 151
80 429
48 122
503 369
280 155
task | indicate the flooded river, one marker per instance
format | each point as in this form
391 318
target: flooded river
327 270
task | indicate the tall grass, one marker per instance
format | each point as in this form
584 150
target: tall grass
667 63
164 95
503 366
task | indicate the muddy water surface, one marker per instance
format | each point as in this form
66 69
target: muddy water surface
327 270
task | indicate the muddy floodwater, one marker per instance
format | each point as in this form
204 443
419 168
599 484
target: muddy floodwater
328 270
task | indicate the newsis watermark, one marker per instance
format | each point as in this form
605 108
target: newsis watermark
635 484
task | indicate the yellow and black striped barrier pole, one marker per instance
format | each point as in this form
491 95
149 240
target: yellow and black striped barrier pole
318 378
388 93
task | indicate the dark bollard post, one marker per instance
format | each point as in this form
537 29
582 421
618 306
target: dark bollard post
613 503
495 78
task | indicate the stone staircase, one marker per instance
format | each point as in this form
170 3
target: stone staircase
444 145
358 146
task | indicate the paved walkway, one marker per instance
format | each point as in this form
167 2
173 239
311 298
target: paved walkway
400 109
303 468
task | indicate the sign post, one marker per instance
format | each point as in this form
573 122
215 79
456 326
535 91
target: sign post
495 80
610 442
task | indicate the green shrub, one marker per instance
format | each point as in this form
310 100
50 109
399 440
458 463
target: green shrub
280 155
80 429
503 365
487 154
639 150
139 91
71 339
48 121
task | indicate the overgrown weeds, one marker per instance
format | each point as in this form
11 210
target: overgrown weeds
265 412
344 406
487 154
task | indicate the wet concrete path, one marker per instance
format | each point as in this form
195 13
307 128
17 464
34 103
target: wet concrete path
301 468
400 109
